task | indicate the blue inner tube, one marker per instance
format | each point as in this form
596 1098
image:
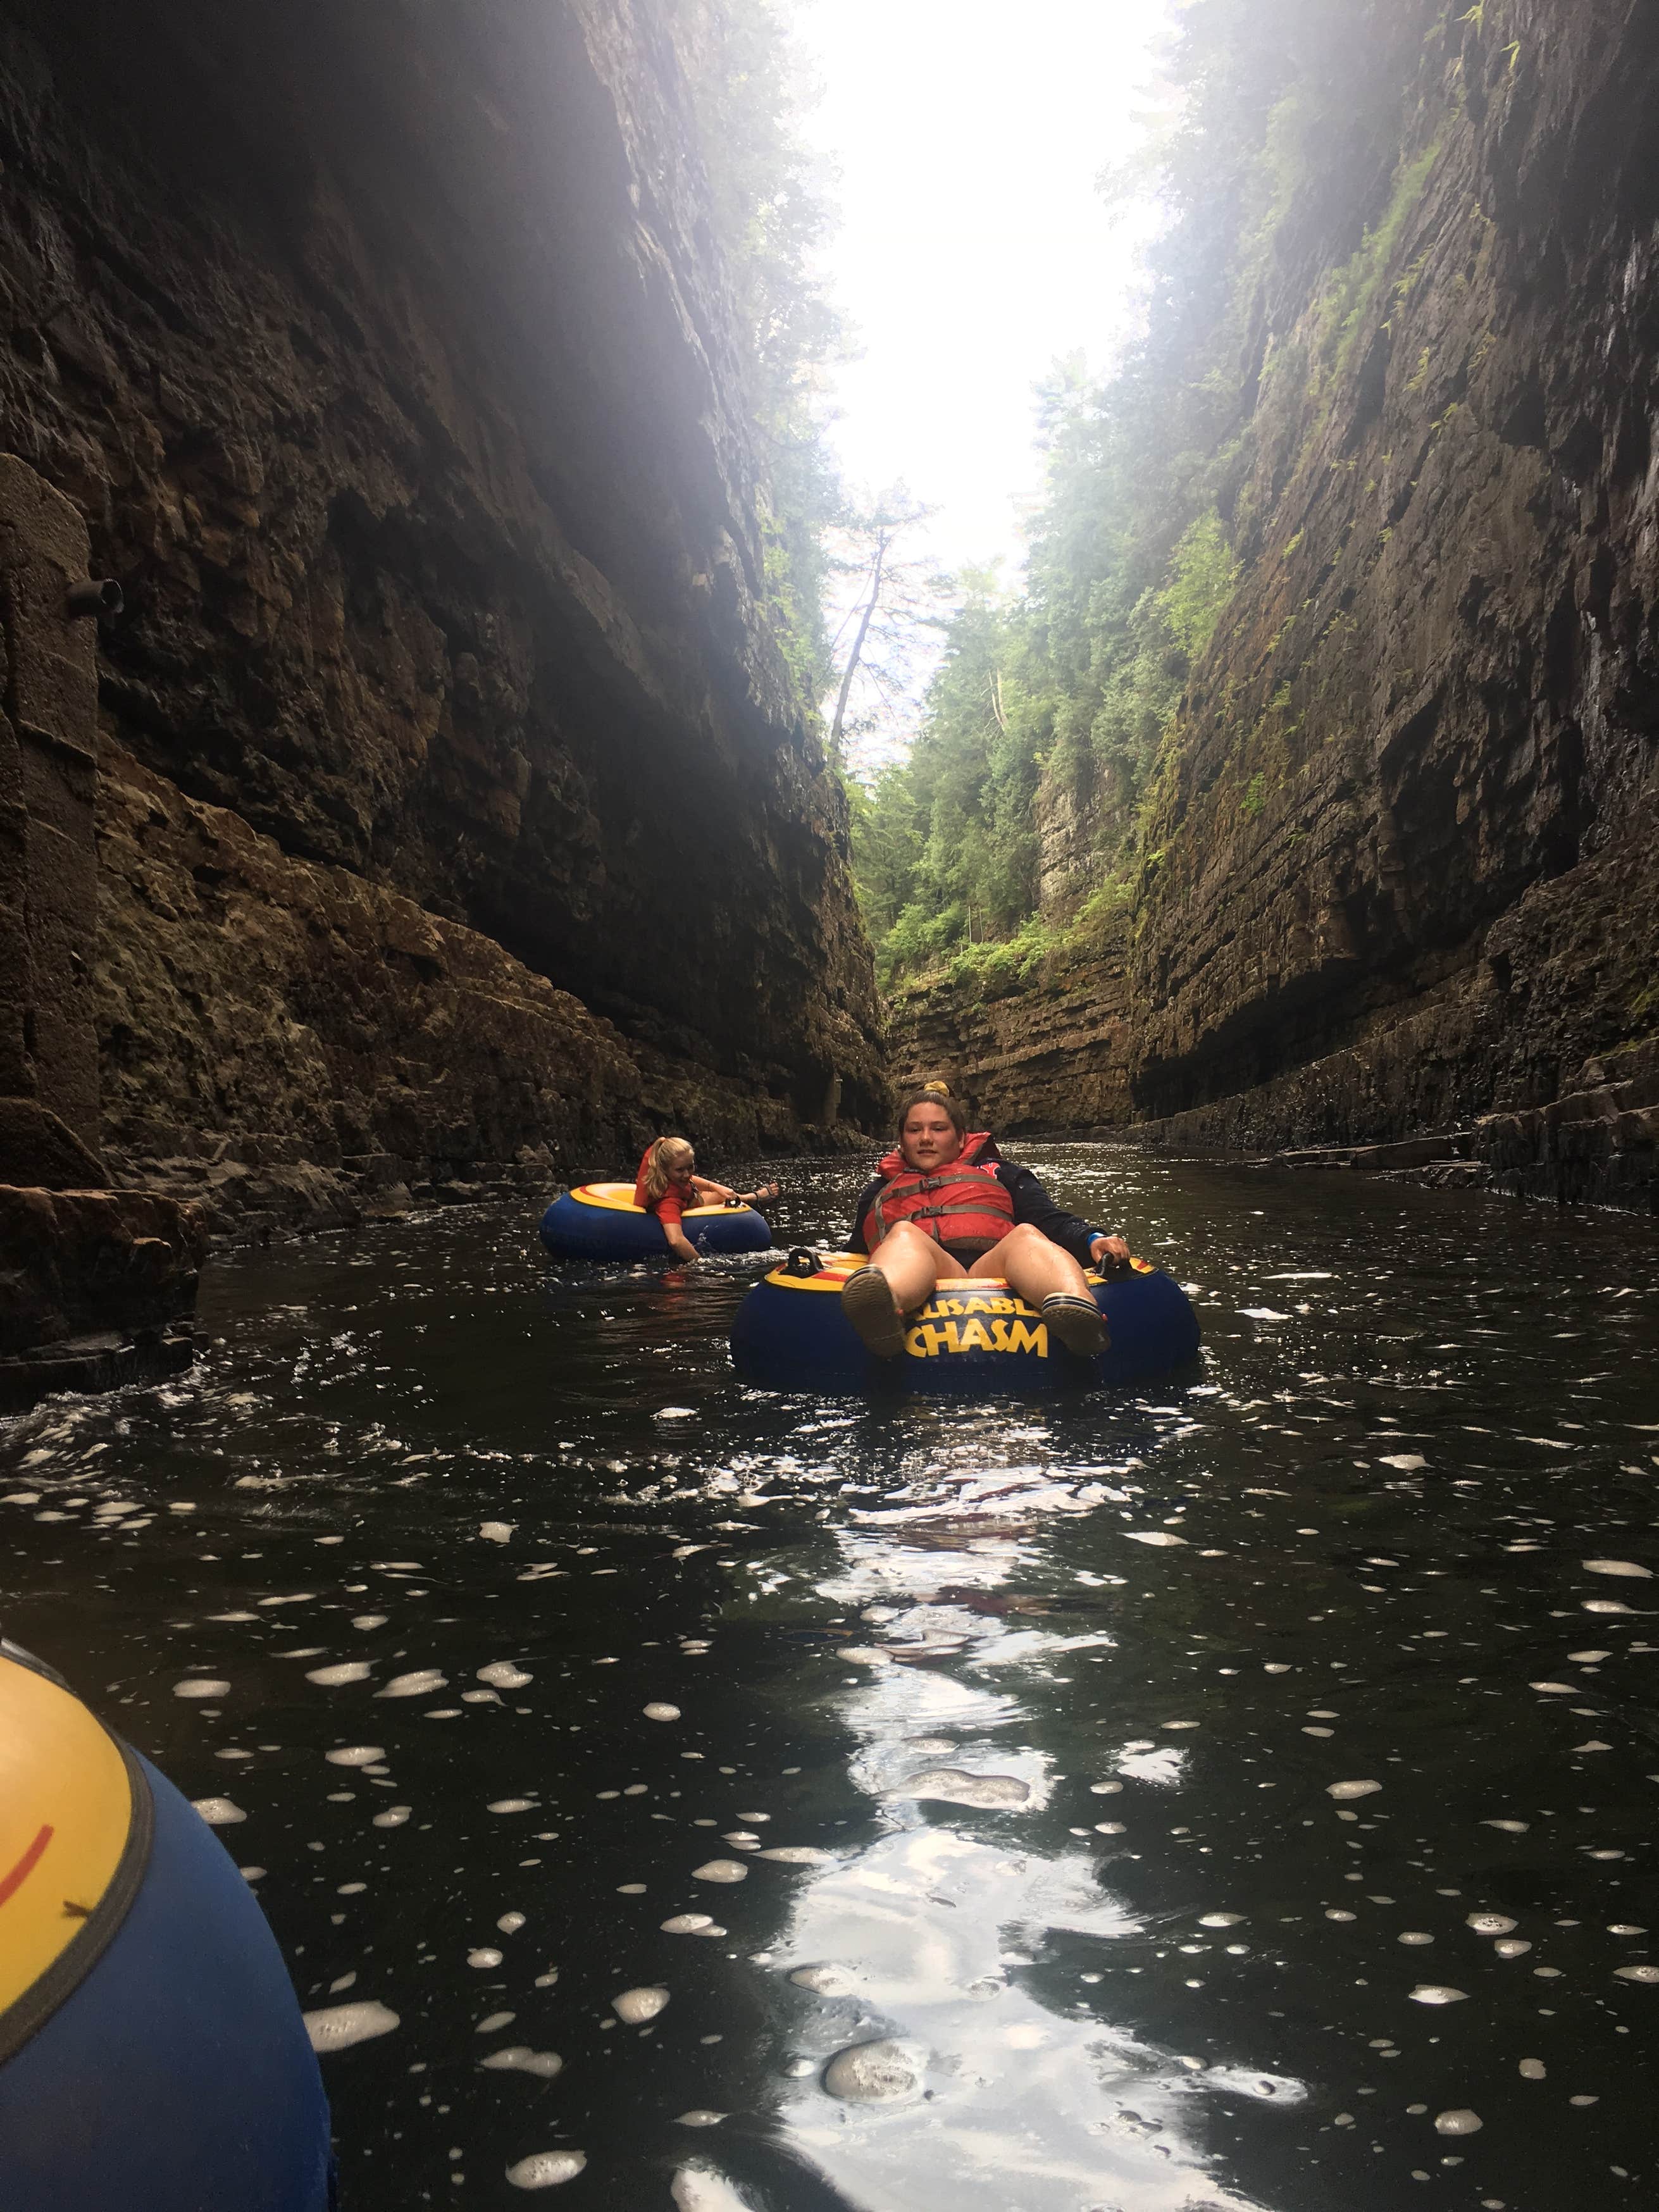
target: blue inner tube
160 2063
600 1221
972 1339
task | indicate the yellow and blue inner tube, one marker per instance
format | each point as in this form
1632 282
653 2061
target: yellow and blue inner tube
152 2053
600 1221
974 1337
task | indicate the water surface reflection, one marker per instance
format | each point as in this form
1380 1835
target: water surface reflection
1236 1796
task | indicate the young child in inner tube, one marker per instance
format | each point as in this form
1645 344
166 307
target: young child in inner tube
945 1202
666 1186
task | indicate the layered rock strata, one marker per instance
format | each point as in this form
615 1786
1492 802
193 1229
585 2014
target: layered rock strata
461 817
96 1286
1402 869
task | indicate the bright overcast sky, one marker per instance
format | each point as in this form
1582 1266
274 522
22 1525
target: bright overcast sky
973 247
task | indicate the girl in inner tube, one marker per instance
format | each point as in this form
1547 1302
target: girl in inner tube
667 1187
945 1202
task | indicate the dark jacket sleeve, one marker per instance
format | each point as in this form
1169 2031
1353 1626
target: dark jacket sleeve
1033 1204
866 1200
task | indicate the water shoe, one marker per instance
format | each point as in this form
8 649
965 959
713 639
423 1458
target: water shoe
1076 1321
867 1302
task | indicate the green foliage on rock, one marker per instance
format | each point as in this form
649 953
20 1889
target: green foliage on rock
1284 187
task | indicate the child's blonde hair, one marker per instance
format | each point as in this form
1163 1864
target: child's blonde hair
667 1152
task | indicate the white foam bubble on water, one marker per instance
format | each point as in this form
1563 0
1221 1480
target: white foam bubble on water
200 1687
719 1870
545 2169
687 1923
657 1712
493 2022
876 2073
421 1684
336 2027
699 2117
1105 1789
1415 1935
218 1812
797 1854
355 1754
1509 1827
925 1746
503 1674
1513 1946
369 1619
1436 1993
512 1805
1462 2121
696 2189
482 1958
1638 1974
394 1817
510 1923
1220 1919
1490 1924
1532 2069
1628 1568
331 1678
950 1785
826 1981
1344 1790
519 2058
497 1532
1160 1537
632 2006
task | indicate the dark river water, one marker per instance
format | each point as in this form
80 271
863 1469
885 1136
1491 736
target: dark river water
1045 1711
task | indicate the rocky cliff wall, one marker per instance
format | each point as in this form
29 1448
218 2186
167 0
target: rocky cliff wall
1403 863
386 353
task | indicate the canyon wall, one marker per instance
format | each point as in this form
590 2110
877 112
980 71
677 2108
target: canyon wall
458 817
1400 868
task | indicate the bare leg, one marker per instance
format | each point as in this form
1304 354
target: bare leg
1030 1264
911 1264
1051 1280
899 1276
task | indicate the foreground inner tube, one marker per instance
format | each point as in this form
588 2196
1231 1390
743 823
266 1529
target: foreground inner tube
600 1221
152 2055
973 1338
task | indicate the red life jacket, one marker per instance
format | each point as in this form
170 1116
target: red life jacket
962 1204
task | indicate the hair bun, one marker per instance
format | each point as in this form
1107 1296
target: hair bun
939 1089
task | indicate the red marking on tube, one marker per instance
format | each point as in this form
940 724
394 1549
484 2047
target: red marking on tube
11 1883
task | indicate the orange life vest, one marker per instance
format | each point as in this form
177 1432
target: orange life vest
962 1204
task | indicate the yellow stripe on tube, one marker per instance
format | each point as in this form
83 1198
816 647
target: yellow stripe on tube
65 1808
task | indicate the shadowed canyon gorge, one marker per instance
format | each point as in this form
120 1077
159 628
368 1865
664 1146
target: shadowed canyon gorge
1397 867
447 810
